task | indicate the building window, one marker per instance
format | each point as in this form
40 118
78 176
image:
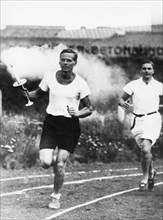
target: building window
80 48
94 50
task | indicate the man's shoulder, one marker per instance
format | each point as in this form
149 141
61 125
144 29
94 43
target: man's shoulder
49 75
157 81
80 78
135 81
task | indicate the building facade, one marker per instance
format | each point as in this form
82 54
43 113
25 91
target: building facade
102 41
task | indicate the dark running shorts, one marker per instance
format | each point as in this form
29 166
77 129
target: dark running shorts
60 131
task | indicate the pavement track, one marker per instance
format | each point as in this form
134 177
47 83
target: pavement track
63 211
93 201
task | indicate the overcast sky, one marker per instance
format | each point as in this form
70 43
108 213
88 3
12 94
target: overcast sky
74 14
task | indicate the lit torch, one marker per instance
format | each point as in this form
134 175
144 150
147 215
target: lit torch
19 82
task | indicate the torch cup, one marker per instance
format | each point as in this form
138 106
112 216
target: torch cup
21 83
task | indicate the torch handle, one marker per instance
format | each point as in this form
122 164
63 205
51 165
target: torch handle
29 101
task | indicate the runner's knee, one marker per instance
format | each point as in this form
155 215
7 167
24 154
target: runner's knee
45 162
146 155
146 148
45 165
46 158
60 168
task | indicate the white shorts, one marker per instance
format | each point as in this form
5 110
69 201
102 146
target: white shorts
147 127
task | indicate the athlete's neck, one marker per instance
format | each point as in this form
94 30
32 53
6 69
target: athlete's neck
65 77
66 74
147 80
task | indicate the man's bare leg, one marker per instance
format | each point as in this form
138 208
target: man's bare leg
59 173
147 163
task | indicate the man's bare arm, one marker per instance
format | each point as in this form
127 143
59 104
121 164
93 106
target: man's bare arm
35 94
123 101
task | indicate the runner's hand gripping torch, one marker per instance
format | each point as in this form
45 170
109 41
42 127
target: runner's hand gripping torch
20 82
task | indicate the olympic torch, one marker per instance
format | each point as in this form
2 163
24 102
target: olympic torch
19 83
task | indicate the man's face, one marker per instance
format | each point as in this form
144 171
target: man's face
147 70
67 62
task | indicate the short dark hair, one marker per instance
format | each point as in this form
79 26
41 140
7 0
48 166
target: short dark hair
147 61
69 50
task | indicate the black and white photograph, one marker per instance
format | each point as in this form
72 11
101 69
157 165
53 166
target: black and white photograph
81 110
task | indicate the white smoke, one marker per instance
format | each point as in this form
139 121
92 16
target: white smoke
103 80
33 63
